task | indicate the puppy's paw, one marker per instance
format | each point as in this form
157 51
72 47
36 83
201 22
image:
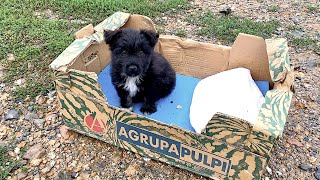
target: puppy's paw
148 109
126 105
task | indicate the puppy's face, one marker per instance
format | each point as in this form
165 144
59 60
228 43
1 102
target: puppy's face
131 50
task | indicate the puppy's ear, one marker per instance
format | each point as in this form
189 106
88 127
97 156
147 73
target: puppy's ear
111 36
152 37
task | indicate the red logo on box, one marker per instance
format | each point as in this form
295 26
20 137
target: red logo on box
95 124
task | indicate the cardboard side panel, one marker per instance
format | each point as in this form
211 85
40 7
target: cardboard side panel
228 129
270 123
94 59
193 58
80 83
195 152
250 52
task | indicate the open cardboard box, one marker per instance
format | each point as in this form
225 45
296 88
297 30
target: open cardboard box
228 148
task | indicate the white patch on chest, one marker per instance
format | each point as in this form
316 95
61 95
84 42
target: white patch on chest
131 85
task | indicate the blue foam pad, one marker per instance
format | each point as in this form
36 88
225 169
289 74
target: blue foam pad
167 112
263 86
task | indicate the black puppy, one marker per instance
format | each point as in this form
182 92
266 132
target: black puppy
138 73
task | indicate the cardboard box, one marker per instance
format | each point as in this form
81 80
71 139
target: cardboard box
228 148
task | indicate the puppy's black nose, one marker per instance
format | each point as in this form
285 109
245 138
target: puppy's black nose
133 68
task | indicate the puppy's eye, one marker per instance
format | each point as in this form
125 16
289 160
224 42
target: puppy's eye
140 53
124 53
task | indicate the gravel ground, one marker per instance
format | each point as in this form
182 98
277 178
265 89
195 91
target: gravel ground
55 153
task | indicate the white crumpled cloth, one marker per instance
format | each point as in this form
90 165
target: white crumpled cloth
231 92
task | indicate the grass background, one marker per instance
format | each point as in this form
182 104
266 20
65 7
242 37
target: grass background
36 41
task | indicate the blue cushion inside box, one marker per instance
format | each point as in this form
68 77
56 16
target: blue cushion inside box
167 112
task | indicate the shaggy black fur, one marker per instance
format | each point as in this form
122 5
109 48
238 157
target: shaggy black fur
138 73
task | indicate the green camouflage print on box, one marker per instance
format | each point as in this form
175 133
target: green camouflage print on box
229 129
279 63
97 119
270 123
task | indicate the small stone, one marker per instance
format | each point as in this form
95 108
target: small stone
35 162
86 167
10 57
305 167
52 142
31 116
57 145
298 34
295 142
12 114
36 177
52 155
19 82
1 72
226 10
74 175
269 170
122 165
297 19
317 174
312 159
51 94
39 123
41 100
130 171
64 132
17 150
146 159
318 100
34 152
299 128
30 108
279 173
21 175
21 145
85 175
48 168
12 154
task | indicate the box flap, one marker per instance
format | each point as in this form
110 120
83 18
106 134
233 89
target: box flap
78 46
279 63
249 51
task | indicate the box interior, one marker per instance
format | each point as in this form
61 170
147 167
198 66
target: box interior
191 60
173 109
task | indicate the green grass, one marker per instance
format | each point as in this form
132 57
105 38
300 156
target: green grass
306 43
181 32
226 28
6 164
294 27
313 7
36 42
273 8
